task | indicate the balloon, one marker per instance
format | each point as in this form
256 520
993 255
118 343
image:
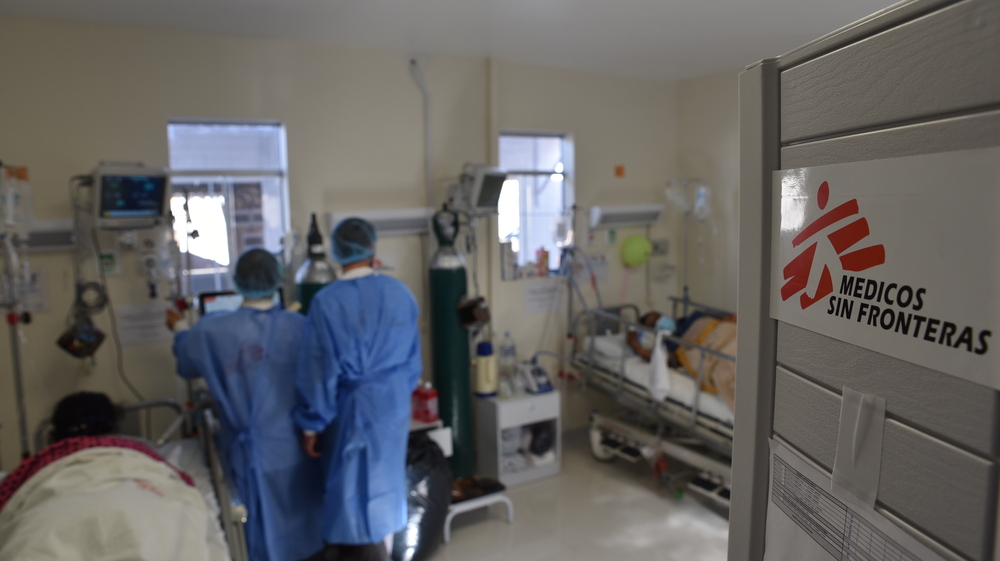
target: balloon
636 251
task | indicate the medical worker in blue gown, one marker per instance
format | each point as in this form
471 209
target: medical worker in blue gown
360 363
248 358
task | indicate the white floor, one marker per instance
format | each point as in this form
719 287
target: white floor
591 512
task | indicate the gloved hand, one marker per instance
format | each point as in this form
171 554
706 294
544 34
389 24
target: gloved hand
173 316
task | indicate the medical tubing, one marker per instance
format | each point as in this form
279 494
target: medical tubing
114 323
74 185
560 356
593 276
649 288
553 308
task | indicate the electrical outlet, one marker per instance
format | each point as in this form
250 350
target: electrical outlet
660 248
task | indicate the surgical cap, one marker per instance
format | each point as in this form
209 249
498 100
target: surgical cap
353 240
258 274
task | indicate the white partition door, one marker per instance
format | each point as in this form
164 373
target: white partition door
911 93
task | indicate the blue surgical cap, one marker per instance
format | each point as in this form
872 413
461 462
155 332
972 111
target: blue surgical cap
353 240
258 274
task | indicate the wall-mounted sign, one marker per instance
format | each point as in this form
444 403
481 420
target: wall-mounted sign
899 256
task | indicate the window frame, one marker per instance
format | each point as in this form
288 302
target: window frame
181 180
567 154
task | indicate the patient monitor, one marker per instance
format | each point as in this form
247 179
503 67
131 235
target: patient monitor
130 196
478 191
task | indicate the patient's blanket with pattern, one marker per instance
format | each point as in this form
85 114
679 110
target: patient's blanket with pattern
718 375
107 501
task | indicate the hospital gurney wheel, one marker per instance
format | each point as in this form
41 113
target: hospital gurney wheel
597 449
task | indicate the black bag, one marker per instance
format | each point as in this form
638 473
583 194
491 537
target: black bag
428 479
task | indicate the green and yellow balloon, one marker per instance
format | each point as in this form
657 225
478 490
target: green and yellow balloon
636 251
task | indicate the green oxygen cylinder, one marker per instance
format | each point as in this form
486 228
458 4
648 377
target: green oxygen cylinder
316 272
450 342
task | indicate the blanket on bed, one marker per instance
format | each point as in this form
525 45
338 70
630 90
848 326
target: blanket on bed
107 503
63 448
719 374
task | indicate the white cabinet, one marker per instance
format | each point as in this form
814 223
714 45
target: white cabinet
519 439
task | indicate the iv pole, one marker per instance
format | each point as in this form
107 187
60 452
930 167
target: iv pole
14 316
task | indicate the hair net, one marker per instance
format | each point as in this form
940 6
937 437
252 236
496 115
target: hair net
258 274
353 240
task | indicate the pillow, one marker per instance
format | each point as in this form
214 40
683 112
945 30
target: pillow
608 346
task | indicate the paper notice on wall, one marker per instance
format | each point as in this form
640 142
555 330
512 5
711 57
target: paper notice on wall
598 264
142 324
805 521
898 256
540 296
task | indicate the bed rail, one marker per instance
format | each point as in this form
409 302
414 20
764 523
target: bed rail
585 357
130 424
232 512
685 305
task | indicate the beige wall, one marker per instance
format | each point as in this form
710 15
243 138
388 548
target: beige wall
708 138
75 94
613 121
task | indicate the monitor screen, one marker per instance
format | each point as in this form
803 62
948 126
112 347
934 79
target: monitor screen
489 194
209 302
132 196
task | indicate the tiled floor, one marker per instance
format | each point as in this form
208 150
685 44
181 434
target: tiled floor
591 512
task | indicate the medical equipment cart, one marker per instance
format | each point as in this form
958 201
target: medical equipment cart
495 415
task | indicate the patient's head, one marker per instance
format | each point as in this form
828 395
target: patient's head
650 319
83 414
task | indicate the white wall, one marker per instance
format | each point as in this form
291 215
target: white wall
708 138
75 94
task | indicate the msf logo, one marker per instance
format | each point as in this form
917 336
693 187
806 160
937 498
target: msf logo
799 270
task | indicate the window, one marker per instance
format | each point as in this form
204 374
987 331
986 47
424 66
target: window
535 209
233 178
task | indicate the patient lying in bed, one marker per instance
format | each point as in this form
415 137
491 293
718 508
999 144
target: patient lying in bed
701 329
91 495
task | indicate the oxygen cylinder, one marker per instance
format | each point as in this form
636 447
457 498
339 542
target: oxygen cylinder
316 272
450 342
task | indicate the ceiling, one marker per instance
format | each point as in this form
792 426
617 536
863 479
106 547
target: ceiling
657 39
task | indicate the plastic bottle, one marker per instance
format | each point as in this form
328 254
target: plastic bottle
425 403
507 364
486 370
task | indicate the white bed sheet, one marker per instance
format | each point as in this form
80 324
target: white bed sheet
186 454
108 503
608 353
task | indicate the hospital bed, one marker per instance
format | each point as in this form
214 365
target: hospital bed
196 453
689 425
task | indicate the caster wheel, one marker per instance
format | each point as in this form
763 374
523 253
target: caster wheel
597 449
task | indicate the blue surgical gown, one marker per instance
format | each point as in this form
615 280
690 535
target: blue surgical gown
248 358
360 363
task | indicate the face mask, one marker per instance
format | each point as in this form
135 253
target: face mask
666 323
